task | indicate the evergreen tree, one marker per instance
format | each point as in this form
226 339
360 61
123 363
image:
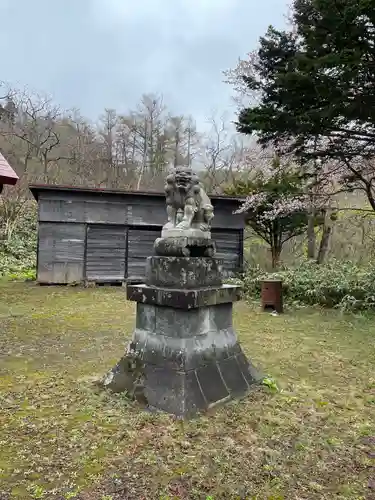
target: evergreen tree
316 85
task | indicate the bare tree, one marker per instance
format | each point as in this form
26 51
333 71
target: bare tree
184 141
140 143
151 111
107 134
84 150
226 156
33 129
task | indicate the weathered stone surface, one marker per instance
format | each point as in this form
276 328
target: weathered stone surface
190 232
184 299
179 323
175 392
233 377
185 354
248 370
184 360
146 317
183 273
221 316
185 247
189 209
125 376
212 383
184 393
184 339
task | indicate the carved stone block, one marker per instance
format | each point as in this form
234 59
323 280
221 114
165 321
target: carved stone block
183 299
183 272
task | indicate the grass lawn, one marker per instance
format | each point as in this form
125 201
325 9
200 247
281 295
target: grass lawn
61 439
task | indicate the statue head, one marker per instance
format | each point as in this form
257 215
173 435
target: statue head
185 178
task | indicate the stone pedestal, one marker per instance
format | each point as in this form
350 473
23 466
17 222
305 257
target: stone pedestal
184 356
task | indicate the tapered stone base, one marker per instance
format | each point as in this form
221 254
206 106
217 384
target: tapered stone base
185 393
187 359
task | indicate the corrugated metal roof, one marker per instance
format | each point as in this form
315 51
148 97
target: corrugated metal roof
37 188
7 174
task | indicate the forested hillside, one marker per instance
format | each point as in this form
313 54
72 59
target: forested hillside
124 149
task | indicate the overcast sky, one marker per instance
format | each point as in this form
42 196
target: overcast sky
93 54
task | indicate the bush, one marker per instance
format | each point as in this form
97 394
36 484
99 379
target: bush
18 254
335 284
23 275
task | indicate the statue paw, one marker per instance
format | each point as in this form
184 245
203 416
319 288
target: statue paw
183 225
168 225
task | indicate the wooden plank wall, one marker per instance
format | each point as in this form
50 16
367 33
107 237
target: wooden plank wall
106 252
122 209
228 245
89 235
140 246
61 251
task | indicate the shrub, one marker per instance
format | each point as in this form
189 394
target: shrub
335 284
18 254
23 275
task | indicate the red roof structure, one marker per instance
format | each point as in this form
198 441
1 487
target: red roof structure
7 174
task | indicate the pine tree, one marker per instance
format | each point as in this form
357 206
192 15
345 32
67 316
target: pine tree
317 87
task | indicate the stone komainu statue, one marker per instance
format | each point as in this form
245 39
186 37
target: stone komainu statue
188 206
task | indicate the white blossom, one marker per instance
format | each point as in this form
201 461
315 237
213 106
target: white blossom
281 207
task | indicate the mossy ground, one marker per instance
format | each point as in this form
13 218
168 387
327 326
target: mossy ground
59 438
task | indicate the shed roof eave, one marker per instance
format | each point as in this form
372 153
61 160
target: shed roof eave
7 174
36 189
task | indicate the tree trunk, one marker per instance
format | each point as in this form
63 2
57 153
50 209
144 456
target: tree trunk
176 148
189 148
275 243
311 236
144 158
275 254
326 236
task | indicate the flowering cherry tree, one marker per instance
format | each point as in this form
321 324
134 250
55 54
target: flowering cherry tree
276 205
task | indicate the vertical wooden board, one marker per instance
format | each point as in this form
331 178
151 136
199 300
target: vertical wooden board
224 216
67 272
229 250
44 274
60 252
105 253
140 246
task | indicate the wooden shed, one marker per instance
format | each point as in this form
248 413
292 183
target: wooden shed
101 235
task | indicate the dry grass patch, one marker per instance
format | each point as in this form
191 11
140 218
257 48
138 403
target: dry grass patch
61 439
